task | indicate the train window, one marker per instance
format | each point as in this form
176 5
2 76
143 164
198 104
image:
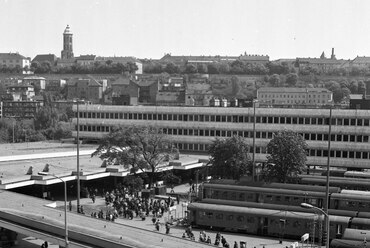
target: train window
287 198
278 198
366 122
269 197
361 205
201 214
233 196
224 195
350 203
240 218
250 220
219 216
230 217
241 196
296 224
313 201
209 215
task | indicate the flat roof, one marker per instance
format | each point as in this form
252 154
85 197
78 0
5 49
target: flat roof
16 160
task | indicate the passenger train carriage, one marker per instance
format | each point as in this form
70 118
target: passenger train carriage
259 221
345 200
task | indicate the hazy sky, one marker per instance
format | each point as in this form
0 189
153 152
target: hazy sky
151 28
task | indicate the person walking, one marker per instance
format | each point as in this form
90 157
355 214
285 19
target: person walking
167 228
70 206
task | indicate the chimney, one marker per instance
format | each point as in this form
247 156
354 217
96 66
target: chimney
332 54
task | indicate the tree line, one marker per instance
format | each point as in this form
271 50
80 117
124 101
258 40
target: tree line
237 67
45 67
146 149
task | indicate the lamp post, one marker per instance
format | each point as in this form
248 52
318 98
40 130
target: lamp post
65 205
309 206
254 142
78 156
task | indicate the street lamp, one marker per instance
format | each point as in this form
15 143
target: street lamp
65 204
254 141
78 156
309 206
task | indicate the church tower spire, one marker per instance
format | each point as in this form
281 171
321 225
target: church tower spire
67 51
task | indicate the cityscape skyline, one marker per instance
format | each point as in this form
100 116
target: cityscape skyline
150 29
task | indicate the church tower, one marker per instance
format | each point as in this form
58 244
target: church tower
67 51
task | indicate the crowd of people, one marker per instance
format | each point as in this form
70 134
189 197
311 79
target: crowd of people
122 202
203 237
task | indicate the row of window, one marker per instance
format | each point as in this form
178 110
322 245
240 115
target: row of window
293 101
245 134
303 95
227 118
245 219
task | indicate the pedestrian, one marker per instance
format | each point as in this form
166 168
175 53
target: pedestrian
178 199
46 244
157 225
167 228
236 245
70 205
93 198
82 210
209 241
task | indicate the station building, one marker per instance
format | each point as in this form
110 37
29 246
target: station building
193 129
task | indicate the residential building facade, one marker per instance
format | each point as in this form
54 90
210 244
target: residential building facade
278 96
12 60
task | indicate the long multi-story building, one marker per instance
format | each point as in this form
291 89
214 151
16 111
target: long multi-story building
282 96
193 129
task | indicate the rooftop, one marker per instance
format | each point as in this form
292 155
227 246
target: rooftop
11 56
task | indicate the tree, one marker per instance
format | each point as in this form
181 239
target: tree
191 69
202 68
292 79
274 80
353 87
137 148
45 118
171 68
361 87
230 157
287 156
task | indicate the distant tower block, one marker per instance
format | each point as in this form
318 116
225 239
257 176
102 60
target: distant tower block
67 51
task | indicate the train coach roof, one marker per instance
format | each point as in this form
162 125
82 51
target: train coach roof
355 192
361 221
344 182
356 234
342 196
334 212
286 192
315 188
345 243
246 210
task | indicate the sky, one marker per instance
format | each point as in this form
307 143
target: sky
152 28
